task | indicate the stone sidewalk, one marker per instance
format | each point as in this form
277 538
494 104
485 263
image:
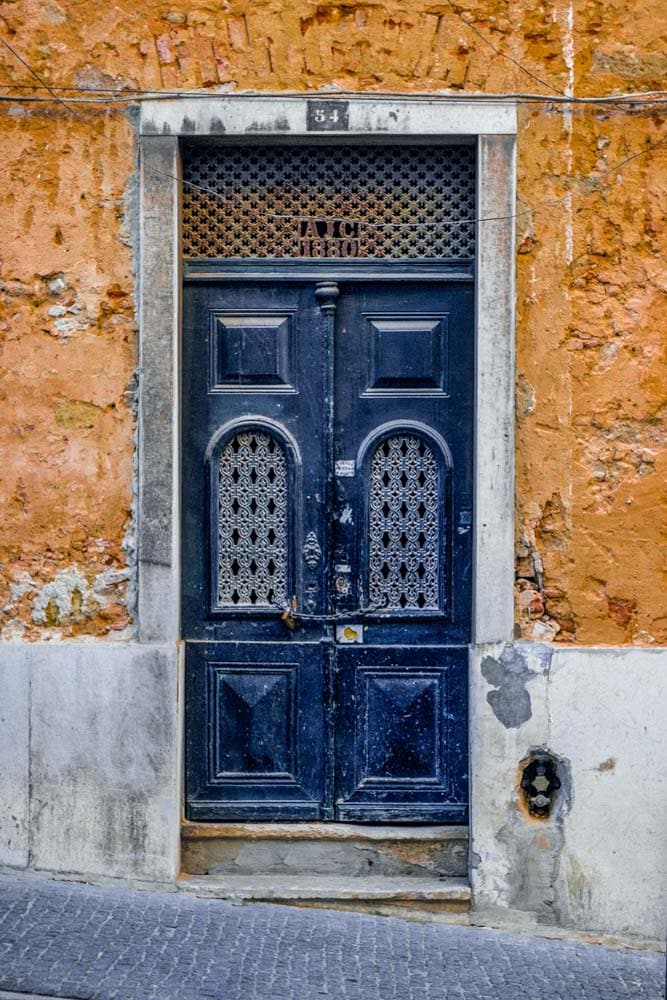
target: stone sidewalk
62 939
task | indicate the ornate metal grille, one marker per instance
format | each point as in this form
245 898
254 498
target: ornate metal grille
404 535
252 522
397 201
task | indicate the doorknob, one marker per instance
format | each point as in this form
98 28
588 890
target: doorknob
326 293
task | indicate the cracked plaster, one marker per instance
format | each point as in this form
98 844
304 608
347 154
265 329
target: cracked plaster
591 290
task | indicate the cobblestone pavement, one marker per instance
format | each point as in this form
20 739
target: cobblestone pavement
68 940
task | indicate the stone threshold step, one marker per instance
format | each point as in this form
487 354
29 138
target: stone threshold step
324 849
406 891
321 831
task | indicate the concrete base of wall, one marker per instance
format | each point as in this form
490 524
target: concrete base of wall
599 861
90 777
89 743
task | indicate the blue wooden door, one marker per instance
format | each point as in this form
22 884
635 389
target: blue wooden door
326 550
255 455
402 550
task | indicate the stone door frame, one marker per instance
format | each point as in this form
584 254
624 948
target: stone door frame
371 118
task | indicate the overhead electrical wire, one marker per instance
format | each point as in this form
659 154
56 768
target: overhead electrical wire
129 95
640 100
39 79
500 52
651 97
548 203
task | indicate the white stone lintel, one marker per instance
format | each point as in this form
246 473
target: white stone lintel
438 118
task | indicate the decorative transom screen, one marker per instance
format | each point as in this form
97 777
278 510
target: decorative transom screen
252 522
329 201
404 526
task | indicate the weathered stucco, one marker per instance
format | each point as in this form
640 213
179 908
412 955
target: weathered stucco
90 745
68 357
597 861
591 281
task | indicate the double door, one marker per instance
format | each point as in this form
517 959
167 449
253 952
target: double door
326 549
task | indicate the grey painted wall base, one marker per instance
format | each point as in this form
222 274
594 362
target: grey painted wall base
599 862
89 744
90 738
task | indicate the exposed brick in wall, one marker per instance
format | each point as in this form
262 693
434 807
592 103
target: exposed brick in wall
591 289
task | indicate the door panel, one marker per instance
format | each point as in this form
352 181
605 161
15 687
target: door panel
401 734
255 459
255 730
403 435
402 543
327 505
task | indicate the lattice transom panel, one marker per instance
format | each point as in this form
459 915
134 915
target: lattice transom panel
252 522
329 201
404 529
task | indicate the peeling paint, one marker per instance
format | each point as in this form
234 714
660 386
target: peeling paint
346 515
590 291
509 674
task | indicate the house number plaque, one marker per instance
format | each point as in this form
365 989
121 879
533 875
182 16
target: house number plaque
328 116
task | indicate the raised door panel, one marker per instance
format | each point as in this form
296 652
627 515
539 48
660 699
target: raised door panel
252 349
401 734
255 737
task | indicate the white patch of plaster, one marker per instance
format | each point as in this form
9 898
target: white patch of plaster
533 284
544 631
74 597
568 49
643 639
109 580
13 630
23 584
68 325
566 19
569 229
61 590
53 13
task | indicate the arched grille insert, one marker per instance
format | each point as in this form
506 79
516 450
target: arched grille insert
404 526
252 507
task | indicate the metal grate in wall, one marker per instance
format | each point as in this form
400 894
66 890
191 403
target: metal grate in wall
329 201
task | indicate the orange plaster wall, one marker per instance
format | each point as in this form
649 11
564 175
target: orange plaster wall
591 281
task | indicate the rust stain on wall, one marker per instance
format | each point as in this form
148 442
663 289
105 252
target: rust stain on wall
591 281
